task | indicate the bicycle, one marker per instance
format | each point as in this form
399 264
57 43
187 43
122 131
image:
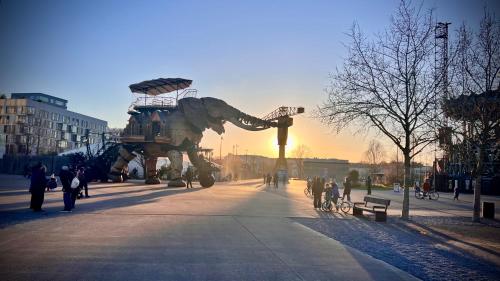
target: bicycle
328 205
308 192
432 194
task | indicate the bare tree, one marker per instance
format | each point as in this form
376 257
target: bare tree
475 84
141 161
299 153
375 154
476 63
389 84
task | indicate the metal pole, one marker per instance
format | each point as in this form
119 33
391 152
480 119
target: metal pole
220 149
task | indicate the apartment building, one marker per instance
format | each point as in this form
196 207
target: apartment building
36 124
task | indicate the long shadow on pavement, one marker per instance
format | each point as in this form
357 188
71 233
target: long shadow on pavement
9 218
428 257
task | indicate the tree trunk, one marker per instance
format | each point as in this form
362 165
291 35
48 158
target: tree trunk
476 216
406 196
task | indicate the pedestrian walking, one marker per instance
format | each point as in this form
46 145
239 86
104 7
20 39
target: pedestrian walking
347 189
268 179
189 177
456 193
275 180
38 184
369 185
65 176
83 183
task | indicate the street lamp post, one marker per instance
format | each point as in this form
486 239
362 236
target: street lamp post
220 148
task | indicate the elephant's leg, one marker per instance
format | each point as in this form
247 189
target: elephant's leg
116 170
175 158
151 174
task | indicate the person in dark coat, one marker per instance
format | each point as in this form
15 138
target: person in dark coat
65 176
317 192
83 182
456 193
347 189
369 185
37 187
189 177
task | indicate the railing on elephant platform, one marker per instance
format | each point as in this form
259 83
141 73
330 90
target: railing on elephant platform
161 102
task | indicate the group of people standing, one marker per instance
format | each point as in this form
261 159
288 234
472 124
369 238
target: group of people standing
274 179
318 185
72 185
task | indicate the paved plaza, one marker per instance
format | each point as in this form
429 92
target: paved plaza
237 231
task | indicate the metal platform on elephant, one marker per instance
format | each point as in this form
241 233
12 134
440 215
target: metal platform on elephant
161 103
152 89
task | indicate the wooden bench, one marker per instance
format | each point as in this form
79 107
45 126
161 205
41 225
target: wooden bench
379 207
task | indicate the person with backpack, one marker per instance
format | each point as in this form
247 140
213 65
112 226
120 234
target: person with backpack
65 176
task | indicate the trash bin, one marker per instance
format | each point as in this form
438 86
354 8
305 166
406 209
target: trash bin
488 210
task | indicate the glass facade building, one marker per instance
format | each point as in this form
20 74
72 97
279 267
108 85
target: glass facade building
36 123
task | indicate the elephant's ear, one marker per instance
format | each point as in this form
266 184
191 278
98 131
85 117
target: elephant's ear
195 112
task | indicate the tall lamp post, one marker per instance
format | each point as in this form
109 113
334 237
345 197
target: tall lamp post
220 148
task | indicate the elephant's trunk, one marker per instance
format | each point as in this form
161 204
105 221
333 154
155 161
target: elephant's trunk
250 123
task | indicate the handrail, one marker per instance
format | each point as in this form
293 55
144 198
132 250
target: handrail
160 101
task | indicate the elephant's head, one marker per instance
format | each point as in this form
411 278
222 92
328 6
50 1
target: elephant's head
212 113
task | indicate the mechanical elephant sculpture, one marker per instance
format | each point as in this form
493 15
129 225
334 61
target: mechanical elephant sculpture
157 131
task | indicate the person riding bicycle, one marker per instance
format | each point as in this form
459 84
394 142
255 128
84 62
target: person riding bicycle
417 187
328 191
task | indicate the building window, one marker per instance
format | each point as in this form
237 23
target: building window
30 110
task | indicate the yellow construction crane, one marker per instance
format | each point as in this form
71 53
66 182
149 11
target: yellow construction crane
282 116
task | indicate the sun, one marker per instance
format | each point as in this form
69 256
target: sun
290 145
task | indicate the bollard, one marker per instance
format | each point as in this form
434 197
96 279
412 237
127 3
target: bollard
488 210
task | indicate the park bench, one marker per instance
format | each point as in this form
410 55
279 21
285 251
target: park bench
378 207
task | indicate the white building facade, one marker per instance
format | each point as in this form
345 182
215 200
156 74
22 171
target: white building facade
37 124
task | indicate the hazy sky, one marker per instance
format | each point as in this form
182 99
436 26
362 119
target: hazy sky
255 55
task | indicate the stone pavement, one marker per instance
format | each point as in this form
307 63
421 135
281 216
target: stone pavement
439 242
131 231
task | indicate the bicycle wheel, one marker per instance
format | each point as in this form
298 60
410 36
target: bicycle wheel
306 192
419 195
345 207
434 195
